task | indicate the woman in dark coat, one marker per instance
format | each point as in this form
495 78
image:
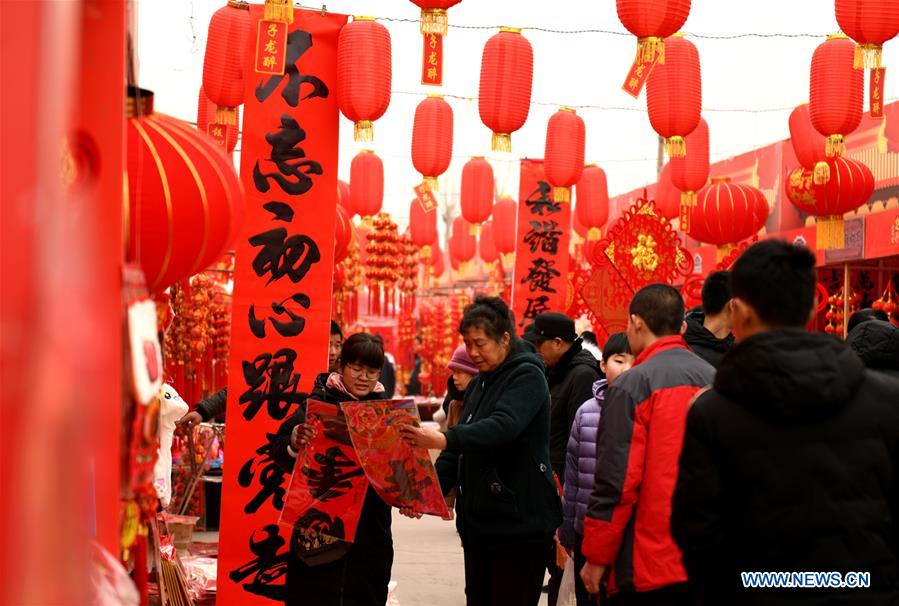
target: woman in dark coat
324 571
498 458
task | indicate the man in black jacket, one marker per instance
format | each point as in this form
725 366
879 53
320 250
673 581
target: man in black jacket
877 344
708 332
571 372
789 464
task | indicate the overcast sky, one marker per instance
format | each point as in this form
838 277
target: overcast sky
751 73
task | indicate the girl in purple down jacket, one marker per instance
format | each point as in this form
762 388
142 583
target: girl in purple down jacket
580 465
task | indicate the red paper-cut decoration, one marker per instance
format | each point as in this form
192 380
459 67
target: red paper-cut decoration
363 74
507 72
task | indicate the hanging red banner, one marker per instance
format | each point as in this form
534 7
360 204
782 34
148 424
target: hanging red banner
425 197
282 294
219 132
432 60
271 48
638 75
877 81
540 280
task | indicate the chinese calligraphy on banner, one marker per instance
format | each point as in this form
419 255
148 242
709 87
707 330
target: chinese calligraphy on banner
540 280
403 476
432 60
638 75
282 288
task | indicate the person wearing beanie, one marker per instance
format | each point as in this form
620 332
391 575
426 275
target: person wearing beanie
464 370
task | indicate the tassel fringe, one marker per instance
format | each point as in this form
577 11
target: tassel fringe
226 115
363 131
868 55
278 10
433 21
501 142
649 48
676 147
830 234
835 146
562 195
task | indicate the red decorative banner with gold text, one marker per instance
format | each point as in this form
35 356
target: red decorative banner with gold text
282 293
432 60
540 280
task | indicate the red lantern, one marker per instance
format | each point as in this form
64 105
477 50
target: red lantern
343 234
564 153
343 196
422 225
870 23
432 138
836 92
674 94
477 191
505 223
486 245
809 144
507 73
433 15
667 196
690 173
205 110
851 185
185 203
592 209
363 74
366 184
652 21
438 263
726 213
227 43
463 244
576 223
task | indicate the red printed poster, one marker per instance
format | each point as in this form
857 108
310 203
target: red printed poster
271 48
282 294
426 198
328 485
540 280
638 75
402 475
432 60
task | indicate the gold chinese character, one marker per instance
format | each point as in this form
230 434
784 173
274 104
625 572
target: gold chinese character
432 40
432 73
269 61
875 108
432 58
271 47
217 132
272 30
640 68
875 93
633 83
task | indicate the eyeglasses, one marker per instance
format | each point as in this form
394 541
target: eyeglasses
368 373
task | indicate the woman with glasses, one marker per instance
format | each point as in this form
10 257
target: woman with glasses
324 571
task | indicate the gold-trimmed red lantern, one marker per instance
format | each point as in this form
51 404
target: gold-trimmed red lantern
726 213
487 246
227 42
869 23
592 208
422 227
366 184
507 74
363 74
476 197
674 94
836 92
462 245
505 224
185 202
652 21
563 160
432 139
808 144
667 196
224 134
690 173
343 234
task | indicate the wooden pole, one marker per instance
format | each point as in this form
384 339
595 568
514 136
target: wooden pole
845 300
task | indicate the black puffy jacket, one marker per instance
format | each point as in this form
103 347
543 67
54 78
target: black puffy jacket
877 344
791 463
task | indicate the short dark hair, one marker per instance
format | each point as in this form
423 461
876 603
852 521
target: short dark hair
778 280
490 314
589 337
335 329
661 307
617 344
866 315
716 292
363 348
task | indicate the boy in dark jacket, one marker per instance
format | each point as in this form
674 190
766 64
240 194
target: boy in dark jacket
789 464
708 332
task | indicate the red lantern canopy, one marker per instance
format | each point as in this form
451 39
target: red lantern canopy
505 224
870 23
185 203
507 73
652 21
226 47
343 234
486 246
564 153
432 138
667 196
836 92
809 144
674 94
422 226
366 184
691 172
726 213
851 185
463 244
206 123
592 209
477 191
363 74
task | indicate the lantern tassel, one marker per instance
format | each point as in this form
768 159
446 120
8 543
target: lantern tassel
830 233
687 202
562 194
723 251
363 131
821 173
430 183
433 21
594 234
649 48
474 230
278 10
835 146
676 147
868 55
501 142
226 115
